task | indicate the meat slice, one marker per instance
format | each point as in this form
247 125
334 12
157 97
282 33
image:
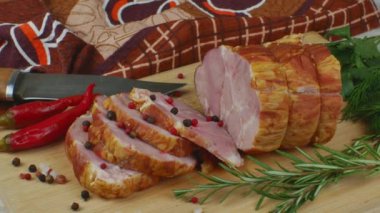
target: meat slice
115 146
149 133
303 87
328 69
111 182
205 134
253 99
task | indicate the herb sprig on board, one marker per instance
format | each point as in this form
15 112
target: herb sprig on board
308 175
294 186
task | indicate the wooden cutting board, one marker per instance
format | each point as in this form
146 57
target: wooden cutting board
354 194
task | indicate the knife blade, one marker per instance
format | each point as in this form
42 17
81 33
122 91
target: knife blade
16 85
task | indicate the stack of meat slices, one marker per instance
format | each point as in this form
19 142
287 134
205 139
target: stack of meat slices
283 94
135 139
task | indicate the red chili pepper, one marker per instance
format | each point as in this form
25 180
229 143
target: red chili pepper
33 112
47 130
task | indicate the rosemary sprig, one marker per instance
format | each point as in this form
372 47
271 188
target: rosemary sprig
294 186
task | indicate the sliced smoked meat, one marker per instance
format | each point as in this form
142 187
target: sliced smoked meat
275 95
205 134
253 99
147 132
114 145
109 182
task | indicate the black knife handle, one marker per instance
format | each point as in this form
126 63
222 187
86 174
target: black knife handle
7 80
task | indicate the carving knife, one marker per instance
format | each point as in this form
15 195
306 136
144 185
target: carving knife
16 85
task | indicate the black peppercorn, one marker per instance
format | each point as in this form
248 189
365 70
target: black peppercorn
88 145
151 120
74 206
152 97
85 195
42 178
86 123
132 135
32 168
215 118
49 179
111 115
174 110
187 122
16 161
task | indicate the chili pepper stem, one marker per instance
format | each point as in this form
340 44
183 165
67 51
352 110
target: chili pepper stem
6 120
4 144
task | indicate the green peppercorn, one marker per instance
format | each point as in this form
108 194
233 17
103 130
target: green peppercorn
174 110
49 179
187 122
74 206
85 195
32 168
88 145
111 115
42 178
16 161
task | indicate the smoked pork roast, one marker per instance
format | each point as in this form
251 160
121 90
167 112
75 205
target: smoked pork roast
279 95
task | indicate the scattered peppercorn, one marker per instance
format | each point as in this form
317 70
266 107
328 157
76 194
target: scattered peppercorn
42 178
194 200
131 105
208 118
16 161
132 134
22 175
49 179
111 115
85 125
186 122
38 173
27 176
180 76
85 195
169 100
174 110
121 125
74 206
152 97
194 122
215 118
173 131
128 130
60 179
32 168
103 166
145 117
175 94
221 123
88 145
151 120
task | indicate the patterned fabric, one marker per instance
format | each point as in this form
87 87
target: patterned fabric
133 39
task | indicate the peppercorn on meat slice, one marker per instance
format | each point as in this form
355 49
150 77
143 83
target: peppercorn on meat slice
113 144
181 119
97 175
253 102
129 118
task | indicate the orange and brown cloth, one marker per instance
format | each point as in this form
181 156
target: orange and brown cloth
136 38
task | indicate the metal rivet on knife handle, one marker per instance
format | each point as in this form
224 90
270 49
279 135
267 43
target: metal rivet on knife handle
8 78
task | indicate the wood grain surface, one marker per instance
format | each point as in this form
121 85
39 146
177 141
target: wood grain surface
354 194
